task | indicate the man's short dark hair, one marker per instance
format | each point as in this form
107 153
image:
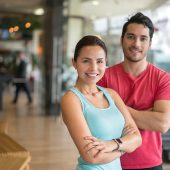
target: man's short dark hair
139 18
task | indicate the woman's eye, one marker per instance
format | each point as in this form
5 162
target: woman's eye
85 61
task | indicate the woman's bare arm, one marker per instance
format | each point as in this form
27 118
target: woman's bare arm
74 119
130 141
131 138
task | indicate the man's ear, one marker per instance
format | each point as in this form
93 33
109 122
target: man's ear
107 62
73 63
150 43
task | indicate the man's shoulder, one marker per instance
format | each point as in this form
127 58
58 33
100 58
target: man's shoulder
158 75
158 70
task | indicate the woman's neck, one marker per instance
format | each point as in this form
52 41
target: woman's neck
86 88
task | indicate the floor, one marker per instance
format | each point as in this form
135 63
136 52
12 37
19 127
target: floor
46 137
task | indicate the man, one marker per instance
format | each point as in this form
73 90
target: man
145 90
21 80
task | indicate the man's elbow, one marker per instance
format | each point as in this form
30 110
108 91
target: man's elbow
164 128
164 125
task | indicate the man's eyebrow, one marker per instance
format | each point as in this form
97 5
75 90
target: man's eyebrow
140 35
128 33
101 58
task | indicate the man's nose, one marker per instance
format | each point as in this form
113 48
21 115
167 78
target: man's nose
137 42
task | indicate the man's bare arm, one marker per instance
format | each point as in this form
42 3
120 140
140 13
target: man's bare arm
155 119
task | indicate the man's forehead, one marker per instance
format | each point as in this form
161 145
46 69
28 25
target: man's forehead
137 29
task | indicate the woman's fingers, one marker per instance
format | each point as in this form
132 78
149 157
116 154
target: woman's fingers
93 145
129 130
92 138
100 147
97 145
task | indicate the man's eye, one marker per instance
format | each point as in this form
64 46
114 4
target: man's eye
130 37
144 39
100 61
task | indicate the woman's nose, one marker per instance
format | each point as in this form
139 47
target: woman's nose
93 66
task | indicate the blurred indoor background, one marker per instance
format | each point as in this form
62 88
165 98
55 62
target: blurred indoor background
47 31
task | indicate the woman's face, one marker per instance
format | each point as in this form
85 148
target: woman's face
90 64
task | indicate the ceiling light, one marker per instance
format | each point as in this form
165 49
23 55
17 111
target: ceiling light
95 2
39 11
27 25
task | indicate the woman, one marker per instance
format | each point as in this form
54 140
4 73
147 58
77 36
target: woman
97 118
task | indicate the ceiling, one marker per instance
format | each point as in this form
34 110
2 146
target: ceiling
118 7
19 6
85 8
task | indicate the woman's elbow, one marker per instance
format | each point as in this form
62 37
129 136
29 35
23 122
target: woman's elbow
139 140
89 159
137 143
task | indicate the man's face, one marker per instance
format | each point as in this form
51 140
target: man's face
136 42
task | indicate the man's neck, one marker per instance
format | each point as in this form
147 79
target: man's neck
135 68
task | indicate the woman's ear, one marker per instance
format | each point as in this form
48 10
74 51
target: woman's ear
121 40
74 63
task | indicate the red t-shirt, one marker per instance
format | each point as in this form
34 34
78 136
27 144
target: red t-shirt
140 93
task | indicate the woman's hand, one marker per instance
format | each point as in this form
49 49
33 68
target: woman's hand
128 130
96 146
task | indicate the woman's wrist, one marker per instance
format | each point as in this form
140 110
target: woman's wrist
118 143
121 152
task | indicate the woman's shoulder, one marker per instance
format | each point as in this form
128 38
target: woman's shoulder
69 95
70 98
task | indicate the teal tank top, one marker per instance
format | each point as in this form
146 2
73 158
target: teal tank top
105 124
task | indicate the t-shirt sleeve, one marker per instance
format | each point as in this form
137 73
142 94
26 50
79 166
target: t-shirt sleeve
102 82
163 91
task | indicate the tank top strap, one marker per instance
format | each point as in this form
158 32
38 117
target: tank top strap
107 95
80 96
